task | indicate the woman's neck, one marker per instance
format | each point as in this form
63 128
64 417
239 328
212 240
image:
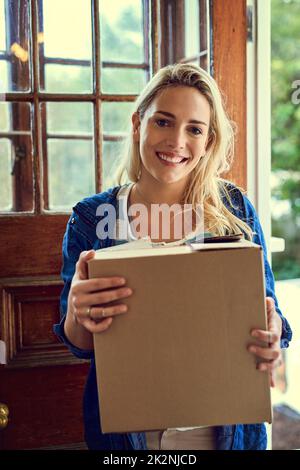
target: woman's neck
158 193
140 193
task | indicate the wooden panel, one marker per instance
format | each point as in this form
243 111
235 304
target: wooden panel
29 312
229 59
35 329
45 409
31 244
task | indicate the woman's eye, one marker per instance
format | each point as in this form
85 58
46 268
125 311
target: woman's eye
162 122
196 131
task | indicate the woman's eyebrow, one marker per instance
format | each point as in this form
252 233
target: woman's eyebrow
192 121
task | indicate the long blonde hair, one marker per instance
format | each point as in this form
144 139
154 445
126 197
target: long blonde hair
205 186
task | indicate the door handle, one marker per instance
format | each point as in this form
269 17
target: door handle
4 412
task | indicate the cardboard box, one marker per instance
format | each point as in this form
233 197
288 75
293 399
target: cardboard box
179 357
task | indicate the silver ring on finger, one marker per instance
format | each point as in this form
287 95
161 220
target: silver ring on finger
103 313
88 312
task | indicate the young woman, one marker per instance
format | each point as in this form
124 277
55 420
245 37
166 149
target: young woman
181 142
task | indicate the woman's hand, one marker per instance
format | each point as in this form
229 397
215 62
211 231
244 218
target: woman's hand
271 355
89 299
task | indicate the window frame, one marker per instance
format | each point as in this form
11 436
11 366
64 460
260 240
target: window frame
158 42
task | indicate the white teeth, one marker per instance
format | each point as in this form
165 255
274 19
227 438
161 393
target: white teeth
170 159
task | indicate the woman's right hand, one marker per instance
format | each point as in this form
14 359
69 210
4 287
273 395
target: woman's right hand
88 298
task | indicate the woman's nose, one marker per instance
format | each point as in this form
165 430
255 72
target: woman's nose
176 139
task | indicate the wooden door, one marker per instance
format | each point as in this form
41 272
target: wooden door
42 383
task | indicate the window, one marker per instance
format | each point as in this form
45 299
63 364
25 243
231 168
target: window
70 71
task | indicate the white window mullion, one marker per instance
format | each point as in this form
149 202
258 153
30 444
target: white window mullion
259 116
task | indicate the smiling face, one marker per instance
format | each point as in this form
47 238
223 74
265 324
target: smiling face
172 134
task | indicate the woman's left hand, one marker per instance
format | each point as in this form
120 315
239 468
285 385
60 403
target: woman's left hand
271 355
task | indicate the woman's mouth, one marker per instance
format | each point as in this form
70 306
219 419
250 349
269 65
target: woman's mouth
171 161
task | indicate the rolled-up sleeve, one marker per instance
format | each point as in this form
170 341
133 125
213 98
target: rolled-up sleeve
253 221
71 248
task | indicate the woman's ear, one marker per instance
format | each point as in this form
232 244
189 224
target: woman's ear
136 123
210 141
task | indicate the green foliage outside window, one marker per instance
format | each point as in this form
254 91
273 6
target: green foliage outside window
286 135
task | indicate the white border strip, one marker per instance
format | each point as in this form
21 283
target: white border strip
259 114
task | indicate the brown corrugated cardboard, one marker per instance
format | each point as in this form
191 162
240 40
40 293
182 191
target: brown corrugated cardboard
179 357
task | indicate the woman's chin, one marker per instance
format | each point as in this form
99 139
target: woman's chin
168 179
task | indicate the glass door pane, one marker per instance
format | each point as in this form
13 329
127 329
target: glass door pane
68 154
123 40
14 46
65 46
16 157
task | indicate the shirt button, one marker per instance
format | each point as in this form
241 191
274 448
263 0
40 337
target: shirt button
73 220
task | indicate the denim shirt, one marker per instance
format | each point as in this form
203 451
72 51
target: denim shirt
81 235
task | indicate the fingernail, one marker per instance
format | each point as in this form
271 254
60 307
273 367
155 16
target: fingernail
254 333
252 348
262 367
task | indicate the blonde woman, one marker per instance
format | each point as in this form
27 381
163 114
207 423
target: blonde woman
181 142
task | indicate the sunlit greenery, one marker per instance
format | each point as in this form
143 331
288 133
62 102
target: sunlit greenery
286 135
